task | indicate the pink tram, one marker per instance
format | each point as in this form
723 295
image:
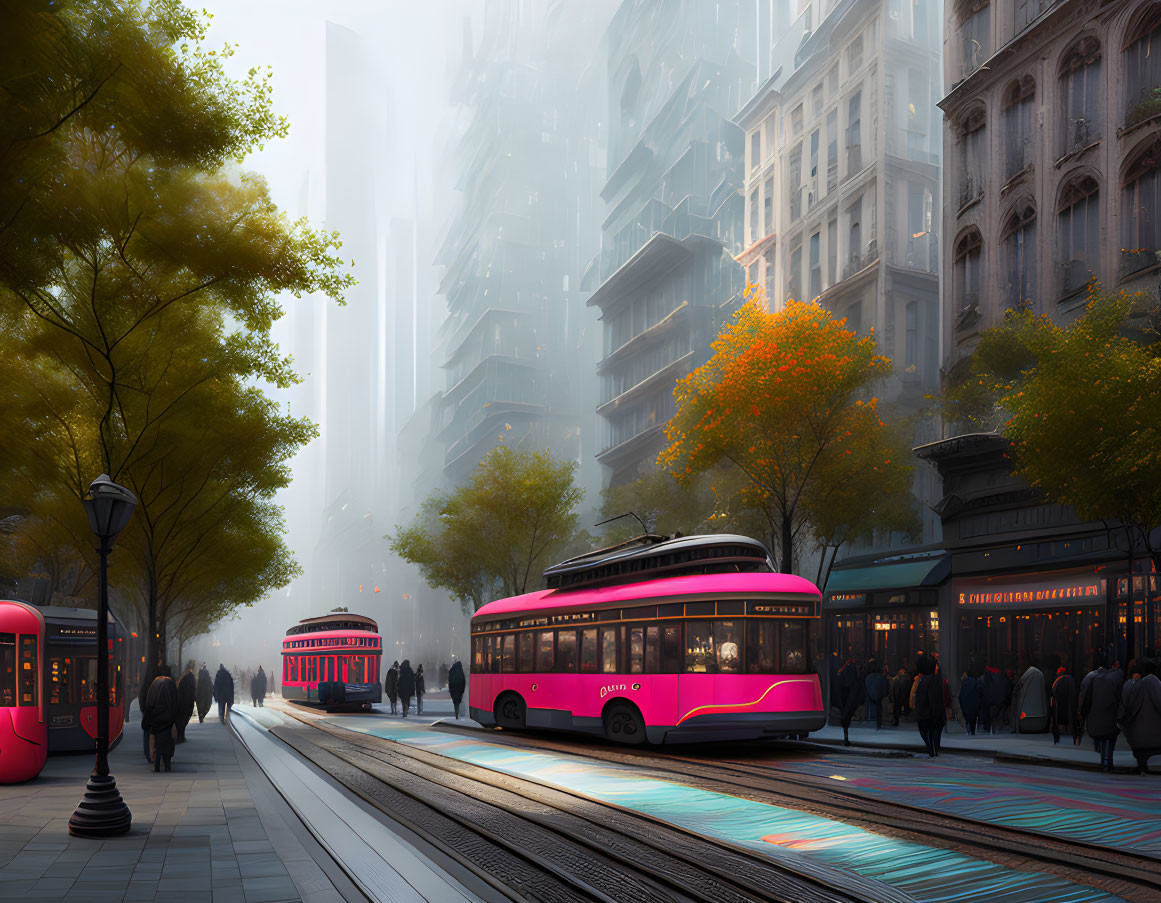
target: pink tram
48 685
333 661
656 640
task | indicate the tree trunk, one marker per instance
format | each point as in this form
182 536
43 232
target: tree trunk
787 545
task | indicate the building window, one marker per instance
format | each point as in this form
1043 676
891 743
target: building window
973 150
968 270
976 33
794 280
755 226
855 237
1020 263
769 286
1143 69
795 176
911 348
831 150
854 134
832 252
796 120
1019 100
755 149
768 206
813 183
854 56
815 287
1141 206
816 100
1080 79
1078 224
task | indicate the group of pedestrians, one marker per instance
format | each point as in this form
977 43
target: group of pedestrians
402 685
167 707
923 692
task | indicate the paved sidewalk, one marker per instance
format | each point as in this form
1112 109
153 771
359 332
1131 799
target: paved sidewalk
213 829
1005 746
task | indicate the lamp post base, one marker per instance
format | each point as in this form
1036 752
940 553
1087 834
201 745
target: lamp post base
102 813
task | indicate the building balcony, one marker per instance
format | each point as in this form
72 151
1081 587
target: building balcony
1149 107
922 253
857 263
1136 261
971 190
1075 276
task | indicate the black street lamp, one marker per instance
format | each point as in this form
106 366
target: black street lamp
102 813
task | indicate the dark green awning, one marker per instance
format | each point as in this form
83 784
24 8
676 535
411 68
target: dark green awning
890 575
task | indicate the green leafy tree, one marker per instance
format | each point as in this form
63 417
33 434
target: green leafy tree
664 504
1082 409
495 535
787 399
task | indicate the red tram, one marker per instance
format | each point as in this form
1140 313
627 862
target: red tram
333 661
48 685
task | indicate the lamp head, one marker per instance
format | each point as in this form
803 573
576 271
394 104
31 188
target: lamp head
109 507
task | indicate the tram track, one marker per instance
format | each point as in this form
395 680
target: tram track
1134 876
534 842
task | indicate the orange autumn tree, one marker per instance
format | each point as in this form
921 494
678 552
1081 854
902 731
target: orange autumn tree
787 399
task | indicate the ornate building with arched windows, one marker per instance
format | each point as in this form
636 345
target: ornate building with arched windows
1052 145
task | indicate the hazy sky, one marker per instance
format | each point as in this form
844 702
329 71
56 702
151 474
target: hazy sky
412 49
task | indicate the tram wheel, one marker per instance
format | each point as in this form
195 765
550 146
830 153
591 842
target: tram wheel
510 712
623 724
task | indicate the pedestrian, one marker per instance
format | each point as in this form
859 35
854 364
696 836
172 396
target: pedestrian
900 691
406 686
261 678
1030 713
443 672
971 693
160 715
142 692
258 687
186 697
223 691
876 686
851 693
205 692
993 698
1062 707
391 686
1141 715
930 714
419 690
1099 703
456 683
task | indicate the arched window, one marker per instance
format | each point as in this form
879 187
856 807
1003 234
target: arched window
975 29
1020 261
1019 99
1143 68
1078 224
1080 79
1141 211
968 269
972 137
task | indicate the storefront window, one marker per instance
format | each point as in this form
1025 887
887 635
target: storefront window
1016 640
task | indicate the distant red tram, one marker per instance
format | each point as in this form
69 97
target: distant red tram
333 661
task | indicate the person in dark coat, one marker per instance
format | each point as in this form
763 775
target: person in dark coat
971 697
901 694
456 683
162 706
1141 715
419 690
186 697
146 682
850 684
406 686
223 691
391 686
1099 704
930 715
258 687
1062 713
443 672
877 687
205 692
995 691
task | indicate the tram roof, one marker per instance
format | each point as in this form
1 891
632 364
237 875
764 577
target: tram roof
342 620
695 585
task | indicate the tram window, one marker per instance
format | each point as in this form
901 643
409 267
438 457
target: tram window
609 650
28 666
314 666
544 651
566 651
588 660
699 648
694 609
7 669
652 650
477 655
509 654
60 681
672 610
636 650
524 652
495 654
88 669
760 646
671 649
792 648
727 637
732 608
635 614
